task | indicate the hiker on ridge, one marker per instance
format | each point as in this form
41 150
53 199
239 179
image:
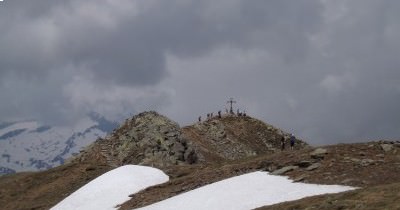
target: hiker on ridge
292 141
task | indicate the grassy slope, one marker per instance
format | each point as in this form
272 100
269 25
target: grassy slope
42 190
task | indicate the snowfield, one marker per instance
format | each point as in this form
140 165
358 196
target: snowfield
112 188
245 192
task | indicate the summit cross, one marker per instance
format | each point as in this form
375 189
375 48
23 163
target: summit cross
231 102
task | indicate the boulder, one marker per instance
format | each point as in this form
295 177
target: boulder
319 153
367 162
386 147
313 166
300 178
284 170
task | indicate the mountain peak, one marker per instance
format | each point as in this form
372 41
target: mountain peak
232 137
150 138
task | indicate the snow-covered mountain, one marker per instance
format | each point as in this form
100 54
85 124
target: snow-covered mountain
32 146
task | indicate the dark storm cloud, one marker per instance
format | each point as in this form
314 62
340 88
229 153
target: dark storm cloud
48 35
326 70
125 43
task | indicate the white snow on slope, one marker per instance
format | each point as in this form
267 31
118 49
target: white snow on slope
112 188
32 145
245 192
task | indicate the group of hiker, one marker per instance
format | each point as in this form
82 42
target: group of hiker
219 114
292 139
230 112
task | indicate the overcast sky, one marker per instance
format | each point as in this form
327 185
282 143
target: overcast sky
328 71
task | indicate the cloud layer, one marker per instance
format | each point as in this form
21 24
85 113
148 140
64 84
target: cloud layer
324 70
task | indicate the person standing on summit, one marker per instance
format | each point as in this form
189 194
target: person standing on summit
292 141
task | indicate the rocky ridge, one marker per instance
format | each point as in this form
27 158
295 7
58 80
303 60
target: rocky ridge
154 140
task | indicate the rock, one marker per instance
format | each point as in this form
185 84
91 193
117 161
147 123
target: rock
386 147
319 153
284 170
172 134
265 165
190 156
380 155
177 147
304 163
346 158
148 139
300 178
367 162
272 168
313 166
347 181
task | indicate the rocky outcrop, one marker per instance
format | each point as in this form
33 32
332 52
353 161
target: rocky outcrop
147 139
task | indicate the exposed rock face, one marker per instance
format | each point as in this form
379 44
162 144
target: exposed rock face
147 139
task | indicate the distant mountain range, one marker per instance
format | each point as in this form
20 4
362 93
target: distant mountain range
32 146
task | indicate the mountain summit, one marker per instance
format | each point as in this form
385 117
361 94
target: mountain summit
232 137
154 140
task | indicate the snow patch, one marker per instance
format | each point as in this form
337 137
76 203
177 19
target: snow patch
245 192
112 188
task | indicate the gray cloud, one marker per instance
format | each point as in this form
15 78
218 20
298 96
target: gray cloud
325 70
